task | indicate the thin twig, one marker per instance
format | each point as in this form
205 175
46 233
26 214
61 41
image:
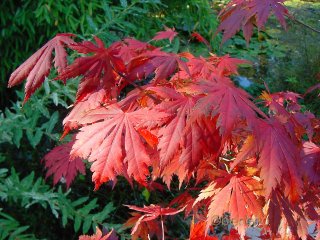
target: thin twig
162 227
132 83
305 25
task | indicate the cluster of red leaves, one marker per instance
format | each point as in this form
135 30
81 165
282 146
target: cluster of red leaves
245 14
99 235
191 121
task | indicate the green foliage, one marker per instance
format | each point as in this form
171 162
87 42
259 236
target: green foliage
11 229
28 191
26 25
35 119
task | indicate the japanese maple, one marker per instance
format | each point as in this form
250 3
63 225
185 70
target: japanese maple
189 120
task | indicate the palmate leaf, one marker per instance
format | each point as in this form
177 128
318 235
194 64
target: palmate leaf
278 158
232 105
187 137
59 164
151 213
99 236
110 140
245 14
156 61
235 195
99 70
198 231
169 33
37 67
88 103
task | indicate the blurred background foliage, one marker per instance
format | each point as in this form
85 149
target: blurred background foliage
30 208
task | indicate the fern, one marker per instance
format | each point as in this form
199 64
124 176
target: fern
11 229
29 191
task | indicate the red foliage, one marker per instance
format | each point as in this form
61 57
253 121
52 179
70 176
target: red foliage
169 33
38 66
191 121
245 14
60 164
99 236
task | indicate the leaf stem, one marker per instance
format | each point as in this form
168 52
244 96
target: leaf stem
162 228
304 24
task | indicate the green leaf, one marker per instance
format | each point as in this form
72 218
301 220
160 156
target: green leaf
86 209
77 223
46 86
124 3
64 216
55 99
86 224
17 135
107 11
36 138
146 194
52 122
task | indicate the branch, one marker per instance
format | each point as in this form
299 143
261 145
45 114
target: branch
304 24
132 83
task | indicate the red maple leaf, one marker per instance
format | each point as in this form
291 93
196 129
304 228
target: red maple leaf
60 164
99 71
288 215
200 38
82 107
37 67
151 213
161 63
131 48
311 161
169 33
198 231
99 236
235 195
227 65
185 132
278 157
145 230
246 14
232 105
110 140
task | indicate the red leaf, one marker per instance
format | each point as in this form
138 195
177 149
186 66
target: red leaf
281 212
100 70
311 161
161 63
186 132
109 140
38 66
246 14
99 236
198 36
145 230
228 66
232 105
169 33
198 231
82 107
152 212
60 164
278 158
232 194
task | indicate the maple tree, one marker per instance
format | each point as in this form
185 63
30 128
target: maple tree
191 121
